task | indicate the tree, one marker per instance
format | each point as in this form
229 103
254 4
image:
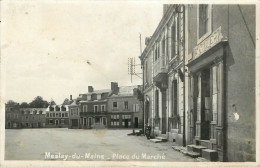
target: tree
10 105
52 102
66 102
38 102
24 105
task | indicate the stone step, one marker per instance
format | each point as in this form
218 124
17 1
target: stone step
196 148
163 139
211 155
205 143
190 153
155 140
179 148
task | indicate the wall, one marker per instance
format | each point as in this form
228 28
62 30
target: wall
240 85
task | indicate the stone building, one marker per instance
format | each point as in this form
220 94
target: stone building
93 108
74 114
221 81
163 76
199 80
33 117
57 116
12 117
124 108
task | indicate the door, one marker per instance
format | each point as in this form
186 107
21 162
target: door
136 122
56 122
126 123
104 121
85 121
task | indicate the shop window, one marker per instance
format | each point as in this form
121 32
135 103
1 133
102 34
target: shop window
51 121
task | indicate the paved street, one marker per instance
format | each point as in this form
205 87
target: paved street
78 144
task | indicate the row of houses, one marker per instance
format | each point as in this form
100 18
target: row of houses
118 107
199 79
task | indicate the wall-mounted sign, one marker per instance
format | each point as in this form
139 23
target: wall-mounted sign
208 43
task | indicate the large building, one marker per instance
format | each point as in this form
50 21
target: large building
33 117
124 108
117 107
57 116
12 117
199 79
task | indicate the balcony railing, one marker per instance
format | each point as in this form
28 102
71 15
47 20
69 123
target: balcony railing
159 66
93 113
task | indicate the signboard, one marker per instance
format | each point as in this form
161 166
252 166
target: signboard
208 43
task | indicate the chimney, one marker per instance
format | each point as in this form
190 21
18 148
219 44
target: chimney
90 89
70 97
114 86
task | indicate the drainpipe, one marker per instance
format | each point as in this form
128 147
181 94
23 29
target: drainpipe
184 115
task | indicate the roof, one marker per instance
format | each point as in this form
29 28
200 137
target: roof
92 101
125 91
31 110
98 91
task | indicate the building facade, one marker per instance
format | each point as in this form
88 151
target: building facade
93 108
33 117
57 116
124 109
199 79
12 117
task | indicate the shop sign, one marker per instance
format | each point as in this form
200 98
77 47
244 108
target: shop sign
208 43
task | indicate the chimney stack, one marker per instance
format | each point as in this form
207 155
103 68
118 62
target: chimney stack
114 86
90 89
70 97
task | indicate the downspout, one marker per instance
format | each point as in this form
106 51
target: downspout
183 42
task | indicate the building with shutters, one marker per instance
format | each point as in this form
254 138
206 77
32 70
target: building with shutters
57 116
124 108
12 117
199 79
33 117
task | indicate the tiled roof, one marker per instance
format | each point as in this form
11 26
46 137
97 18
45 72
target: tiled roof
99 91
125 91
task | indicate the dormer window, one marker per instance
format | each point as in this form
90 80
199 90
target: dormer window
99 97
57 108
88 97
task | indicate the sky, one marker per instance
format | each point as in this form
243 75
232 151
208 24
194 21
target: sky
59 48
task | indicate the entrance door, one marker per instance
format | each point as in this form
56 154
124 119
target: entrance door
74 122
136 122
206 113
85 121
89 121
56 122
104 121
126 123
97 120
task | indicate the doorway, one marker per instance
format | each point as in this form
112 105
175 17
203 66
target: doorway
136 122
56 122
126 123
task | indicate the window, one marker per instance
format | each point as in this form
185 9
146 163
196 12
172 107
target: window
115 105
40 112
66 114
174 37
59 114
135 107
95 108
62 121
34 112
203 22
126 104
85 108
26 118
103 108
71 111
51 121
63 115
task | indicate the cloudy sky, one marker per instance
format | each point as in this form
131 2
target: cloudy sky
54 49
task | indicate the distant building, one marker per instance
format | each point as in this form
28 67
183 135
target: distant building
33 117
57 116
124 109
74 118
12 117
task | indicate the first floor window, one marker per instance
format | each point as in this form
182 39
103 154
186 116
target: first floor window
51 121
115 105
62 121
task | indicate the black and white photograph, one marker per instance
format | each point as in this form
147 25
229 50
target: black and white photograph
129 83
